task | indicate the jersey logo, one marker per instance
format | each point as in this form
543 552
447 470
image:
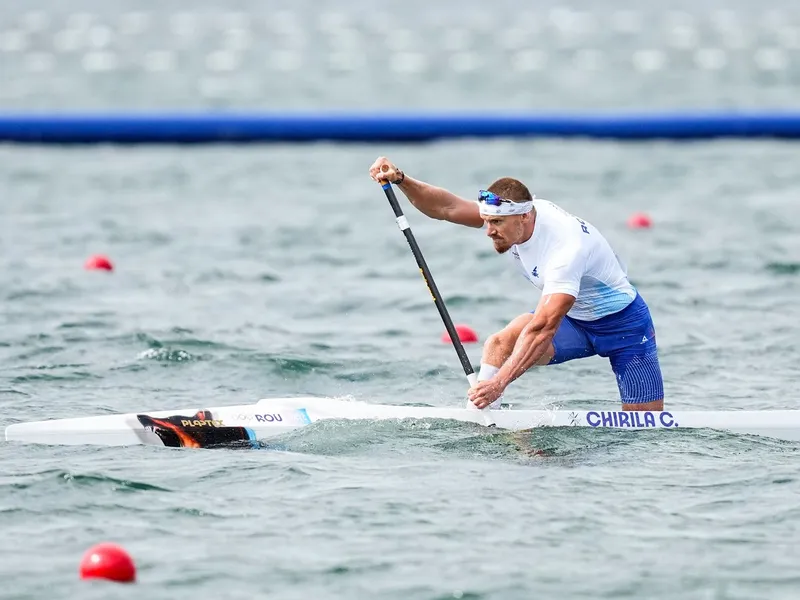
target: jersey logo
583 225
534 273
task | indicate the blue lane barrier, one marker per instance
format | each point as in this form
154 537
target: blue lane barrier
204 128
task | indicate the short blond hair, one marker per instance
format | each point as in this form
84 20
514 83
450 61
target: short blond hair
511 189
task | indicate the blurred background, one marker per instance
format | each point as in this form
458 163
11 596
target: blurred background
444 54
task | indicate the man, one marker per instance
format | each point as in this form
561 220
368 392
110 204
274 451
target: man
587 306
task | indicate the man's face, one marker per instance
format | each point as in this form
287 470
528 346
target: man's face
505 231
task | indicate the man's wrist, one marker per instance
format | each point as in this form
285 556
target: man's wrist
503 377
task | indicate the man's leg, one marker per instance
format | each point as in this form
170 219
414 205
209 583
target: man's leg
568 343
638 373
498 346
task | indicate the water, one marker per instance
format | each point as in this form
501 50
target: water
250 272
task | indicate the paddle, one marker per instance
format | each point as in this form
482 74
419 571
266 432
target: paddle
402 223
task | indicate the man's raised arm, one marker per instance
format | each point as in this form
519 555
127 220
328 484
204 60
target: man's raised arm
433 201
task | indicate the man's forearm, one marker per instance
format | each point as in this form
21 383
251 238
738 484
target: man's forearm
428 199
531 346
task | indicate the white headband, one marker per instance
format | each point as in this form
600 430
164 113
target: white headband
505 209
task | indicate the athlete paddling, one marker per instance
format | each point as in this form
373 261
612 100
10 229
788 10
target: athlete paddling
587 307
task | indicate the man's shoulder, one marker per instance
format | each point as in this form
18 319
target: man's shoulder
556 213
549 205
563 225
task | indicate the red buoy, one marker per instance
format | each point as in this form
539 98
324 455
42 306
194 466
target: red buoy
98 262
107 561
639 221
465 333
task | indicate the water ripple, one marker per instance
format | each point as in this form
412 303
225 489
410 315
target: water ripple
170 355
783 268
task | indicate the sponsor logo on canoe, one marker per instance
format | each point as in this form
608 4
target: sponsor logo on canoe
201 422
269 418
200 430
631 419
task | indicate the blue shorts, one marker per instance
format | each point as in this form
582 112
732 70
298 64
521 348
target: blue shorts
628 339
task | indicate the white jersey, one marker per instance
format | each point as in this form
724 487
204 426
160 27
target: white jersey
567 255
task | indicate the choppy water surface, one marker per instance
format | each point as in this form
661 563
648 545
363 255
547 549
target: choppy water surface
239 277
244 273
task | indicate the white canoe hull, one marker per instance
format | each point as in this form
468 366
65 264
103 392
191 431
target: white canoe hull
247 424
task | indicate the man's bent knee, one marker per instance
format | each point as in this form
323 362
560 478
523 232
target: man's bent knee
504 340
502 344
501 341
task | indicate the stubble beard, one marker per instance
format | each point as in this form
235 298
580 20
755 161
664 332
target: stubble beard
500 246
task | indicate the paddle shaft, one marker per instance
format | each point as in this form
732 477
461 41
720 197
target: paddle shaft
402 223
